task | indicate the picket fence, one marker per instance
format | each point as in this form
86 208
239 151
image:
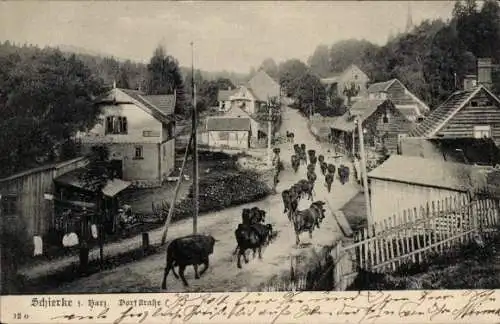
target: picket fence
412 235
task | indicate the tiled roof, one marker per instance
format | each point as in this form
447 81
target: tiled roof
263 86
380 86
224 95
430 173
166 103
152 109
228 124
434 121
363 108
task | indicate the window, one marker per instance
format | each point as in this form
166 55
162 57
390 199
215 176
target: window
9 205
482 131
138 153
474 103
116 125
224 136
385 119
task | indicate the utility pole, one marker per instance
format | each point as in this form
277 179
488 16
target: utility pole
195 147
269 130
363 172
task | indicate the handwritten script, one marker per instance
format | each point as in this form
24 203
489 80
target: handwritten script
288 307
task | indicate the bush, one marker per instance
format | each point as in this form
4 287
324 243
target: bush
220 191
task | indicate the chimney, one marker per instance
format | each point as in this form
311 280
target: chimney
470 81
484 68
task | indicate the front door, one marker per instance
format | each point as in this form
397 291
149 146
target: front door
117 167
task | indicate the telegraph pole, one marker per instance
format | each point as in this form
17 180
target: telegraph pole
269 130
195 146
363 172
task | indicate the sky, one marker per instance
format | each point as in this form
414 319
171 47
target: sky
227 35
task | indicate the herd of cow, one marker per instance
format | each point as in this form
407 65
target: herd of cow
252 233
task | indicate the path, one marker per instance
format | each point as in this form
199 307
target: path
145 275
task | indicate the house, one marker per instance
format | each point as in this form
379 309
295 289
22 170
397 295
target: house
382 125
264 87
474 151
224 99
404 182
138 130
410 105
228 132
25 210
473 112
336 84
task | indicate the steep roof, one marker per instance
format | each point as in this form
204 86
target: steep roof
380 86
224 95
363 108
440 116
165 103
128 96
263 86
228 124
430 173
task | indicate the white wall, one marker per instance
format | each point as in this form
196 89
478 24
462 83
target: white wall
389 197
137 121
237 139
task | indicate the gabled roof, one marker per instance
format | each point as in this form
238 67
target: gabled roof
430 173
441 115
334 78
224 95
228 124
136 97
263 86
363 108
381 86
166 103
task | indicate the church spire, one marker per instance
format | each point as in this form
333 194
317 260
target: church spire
409 21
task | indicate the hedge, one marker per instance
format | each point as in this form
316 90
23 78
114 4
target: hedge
218 191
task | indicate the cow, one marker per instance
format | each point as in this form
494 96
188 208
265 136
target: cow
321 158
257 215
323 167
290 136
306 188
313 160
188 250
331 168
290 201
306 220
296 149
303 155
295 163
311 154
329 180
252 237
311 176
285 196
311 167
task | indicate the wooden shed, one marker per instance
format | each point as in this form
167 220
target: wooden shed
404 182
228 132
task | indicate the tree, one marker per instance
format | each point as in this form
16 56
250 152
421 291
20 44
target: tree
270 67
319 62
45 99
290 72
164 77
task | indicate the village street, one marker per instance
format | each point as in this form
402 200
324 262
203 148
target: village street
223 275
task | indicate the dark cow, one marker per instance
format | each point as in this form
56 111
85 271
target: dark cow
252 237
323 167
311 176
285 196
306 188
306 220
311 167
329 180
303 156
257 215
313 160
290 201
331 168
321 158
290 136
295 163
311 154
296 149
188 250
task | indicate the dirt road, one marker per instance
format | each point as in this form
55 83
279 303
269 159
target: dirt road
223 275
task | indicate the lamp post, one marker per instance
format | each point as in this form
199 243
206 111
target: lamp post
363 172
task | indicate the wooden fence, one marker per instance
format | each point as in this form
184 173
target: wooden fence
412 235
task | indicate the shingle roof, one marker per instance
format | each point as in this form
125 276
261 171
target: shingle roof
408 111
263 86
138 96
363 108
228 124
430 173
435 120
224 95
380 86
166 103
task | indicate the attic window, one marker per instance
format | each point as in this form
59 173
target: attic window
473 103
385 119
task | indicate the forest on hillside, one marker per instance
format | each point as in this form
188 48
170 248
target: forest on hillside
431 60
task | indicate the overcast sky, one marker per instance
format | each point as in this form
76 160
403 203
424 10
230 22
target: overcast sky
228 35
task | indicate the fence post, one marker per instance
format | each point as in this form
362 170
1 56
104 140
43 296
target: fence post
337 269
